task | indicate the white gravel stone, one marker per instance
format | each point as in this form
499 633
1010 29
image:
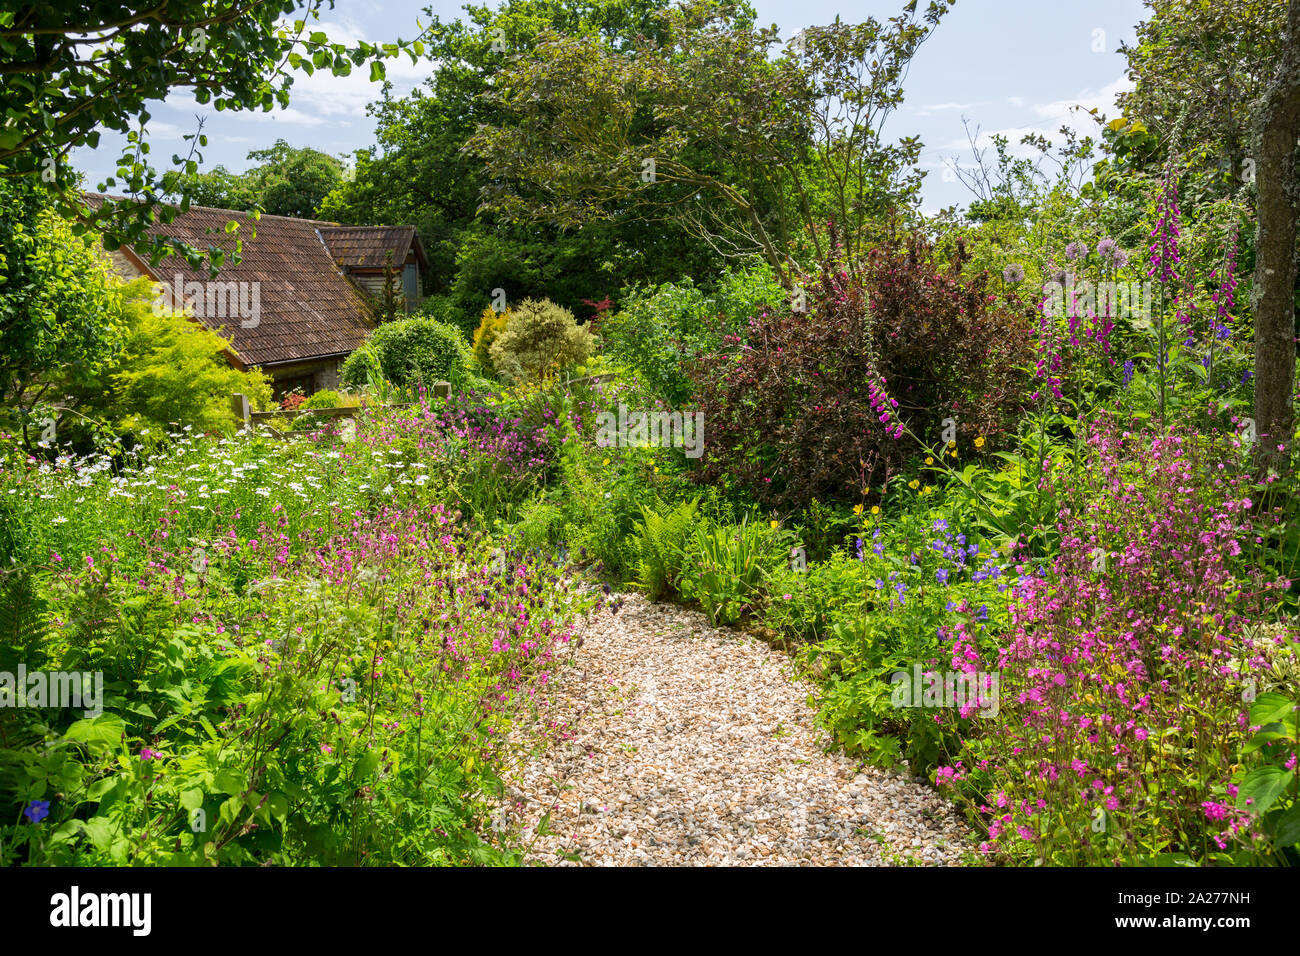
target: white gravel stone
693 745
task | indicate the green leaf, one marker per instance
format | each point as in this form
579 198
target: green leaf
1269 708
230 781
278 804
106 730
365 765
1262 787
376 71
1287 829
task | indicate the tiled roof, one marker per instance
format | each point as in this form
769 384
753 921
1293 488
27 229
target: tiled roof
366 247
308 308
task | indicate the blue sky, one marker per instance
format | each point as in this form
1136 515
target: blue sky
1010 66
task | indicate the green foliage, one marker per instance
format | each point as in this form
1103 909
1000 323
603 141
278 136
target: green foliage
659 332
419 154
56 294
1199 71
325 398
410 352
572 109
896 597
724 566
171 373
1267 785
661 537
490 325
540 339
255 711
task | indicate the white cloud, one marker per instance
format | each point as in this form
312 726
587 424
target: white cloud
931 108
1072 112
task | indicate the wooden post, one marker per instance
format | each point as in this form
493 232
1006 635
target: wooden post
442 390
239 405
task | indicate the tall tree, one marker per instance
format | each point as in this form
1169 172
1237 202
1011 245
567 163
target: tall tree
1277 255
1204 64
418 173
286 182
703 127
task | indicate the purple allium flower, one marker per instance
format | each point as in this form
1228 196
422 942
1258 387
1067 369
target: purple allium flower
1014 273
1076 250
1111 254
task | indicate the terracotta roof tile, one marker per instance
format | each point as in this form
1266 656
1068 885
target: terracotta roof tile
366 247
308 308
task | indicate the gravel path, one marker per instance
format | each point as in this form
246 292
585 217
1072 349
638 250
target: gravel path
691 745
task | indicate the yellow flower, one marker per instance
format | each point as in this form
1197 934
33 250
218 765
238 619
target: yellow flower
857 509
929 460
875 510
774 523
605 462
979 442
656 469
953 453
914 484
926 490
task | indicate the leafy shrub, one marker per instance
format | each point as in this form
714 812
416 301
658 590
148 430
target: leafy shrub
540 339
887 603
810 406
411 352
660 331
490 325
170 372
540 526
443 309
325 398
57 306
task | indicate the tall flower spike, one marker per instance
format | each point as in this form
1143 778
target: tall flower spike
1224 297
1164 237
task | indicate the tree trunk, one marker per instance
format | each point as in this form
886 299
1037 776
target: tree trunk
1273 296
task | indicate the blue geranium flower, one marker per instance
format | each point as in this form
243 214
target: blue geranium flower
37 810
